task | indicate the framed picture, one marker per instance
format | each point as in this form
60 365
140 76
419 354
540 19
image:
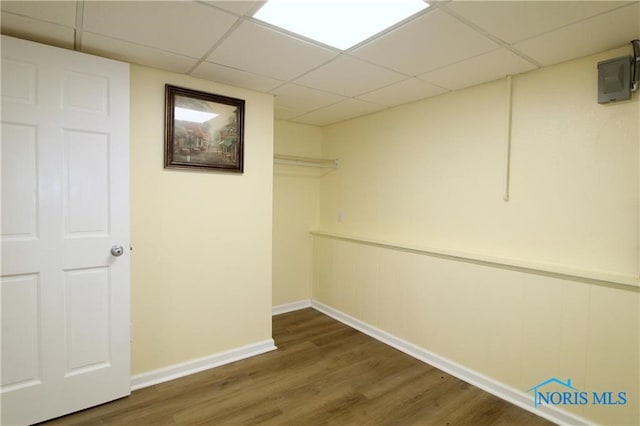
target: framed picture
203 131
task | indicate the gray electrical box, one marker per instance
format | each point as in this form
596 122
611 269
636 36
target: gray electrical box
614 80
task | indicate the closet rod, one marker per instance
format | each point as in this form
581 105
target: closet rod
305 161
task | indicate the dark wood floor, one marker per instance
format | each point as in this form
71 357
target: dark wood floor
323 373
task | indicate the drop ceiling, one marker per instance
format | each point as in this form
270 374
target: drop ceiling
448 46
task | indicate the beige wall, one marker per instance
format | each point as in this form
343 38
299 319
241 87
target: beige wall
432 174
201 264
296 210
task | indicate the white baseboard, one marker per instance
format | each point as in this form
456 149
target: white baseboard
290 307
182 369
502 391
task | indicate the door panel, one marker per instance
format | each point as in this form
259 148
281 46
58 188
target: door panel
65 202
21 343
19 181
19 81
86 183
87 319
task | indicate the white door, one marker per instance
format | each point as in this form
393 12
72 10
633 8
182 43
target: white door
65 203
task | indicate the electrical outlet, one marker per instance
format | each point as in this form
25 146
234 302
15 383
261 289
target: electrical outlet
340 215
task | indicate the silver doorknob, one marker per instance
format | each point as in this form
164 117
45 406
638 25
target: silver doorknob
117 250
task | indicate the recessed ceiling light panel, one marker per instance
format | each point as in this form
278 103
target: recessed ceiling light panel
338 23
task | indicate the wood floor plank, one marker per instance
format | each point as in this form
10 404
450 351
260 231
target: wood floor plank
323 373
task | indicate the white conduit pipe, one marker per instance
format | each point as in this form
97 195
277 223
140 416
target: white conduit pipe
505 197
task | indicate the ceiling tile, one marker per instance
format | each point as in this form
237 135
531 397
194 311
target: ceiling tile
55 12
607 31
242 8
134 53
185 28
303 99
487 67
513 21
235 77
338 112
408 90
255 48
448 47
38 31
426 43
349 77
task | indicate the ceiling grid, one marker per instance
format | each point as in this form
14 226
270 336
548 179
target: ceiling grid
447 46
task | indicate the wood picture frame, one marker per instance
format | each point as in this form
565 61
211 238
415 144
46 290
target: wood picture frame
203 131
